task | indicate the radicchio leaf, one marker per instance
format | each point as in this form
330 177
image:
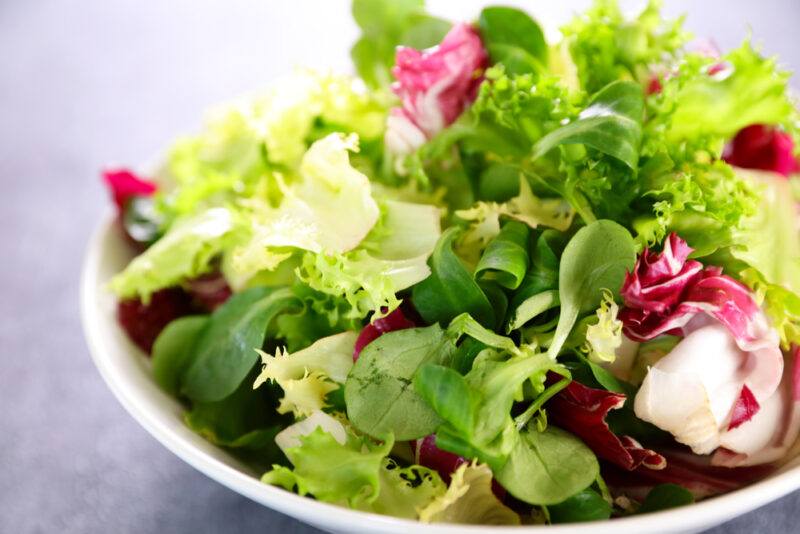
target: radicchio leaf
769 435
665 292
762 147
745 408
435 86
582 410
695 473
124 185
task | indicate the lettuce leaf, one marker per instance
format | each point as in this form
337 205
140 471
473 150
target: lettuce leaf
774 227
392 258
469 500
185 251
749 90
484 217
607 47
333 472
309 375
330 211
404 490
246 141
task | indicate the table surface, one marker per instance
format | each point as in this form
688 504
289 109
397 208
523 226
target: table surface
93 83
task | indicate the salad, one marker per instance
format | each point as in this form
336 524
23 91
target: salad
491 279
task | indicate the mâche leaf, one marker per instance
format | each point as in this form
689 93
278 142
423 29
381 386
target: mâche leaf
611 124
226 348
505 260
174 350
379 391
513 38
450 289
596 258
548 467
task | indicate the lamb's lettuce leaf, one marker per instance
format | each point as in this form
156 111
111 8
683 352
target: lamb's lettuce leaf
451 288
610 124
513 38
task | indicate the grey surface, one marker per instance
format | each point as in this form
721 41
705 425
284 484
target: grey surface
84 84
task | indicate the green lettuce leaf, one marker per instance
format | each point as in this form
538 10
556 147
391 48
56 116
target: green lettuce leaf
246 141
484 217
404 491
749 90
332 472
610 124
309 375
186 251
513 38
506 257
772 228
469 501
451 288
394 257
330 211
607 47
225 351
379 394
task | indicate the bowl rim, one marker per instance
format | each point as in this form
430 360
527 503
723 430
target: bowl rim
323 515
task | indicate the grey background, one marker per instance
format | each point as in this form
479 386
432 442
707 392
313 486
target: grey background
85 84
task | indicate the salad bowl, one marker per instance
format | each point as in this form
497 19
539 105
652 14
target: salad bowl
419 292
127 373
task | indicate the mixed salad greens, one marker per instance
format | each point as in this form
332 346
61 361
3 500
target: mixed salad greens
492 279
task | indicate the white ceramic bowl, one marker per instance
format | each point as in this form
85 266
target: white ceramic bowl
127 373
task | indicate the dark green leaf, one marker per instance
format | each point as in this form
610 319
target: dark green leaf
448 394
424 31
466 353
586 505
450 289
499 183
226 348
386 24
596 258
611 124
548 467
513 39
532 307
514 59
505 259
664 497
245 421
379 391
174 349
